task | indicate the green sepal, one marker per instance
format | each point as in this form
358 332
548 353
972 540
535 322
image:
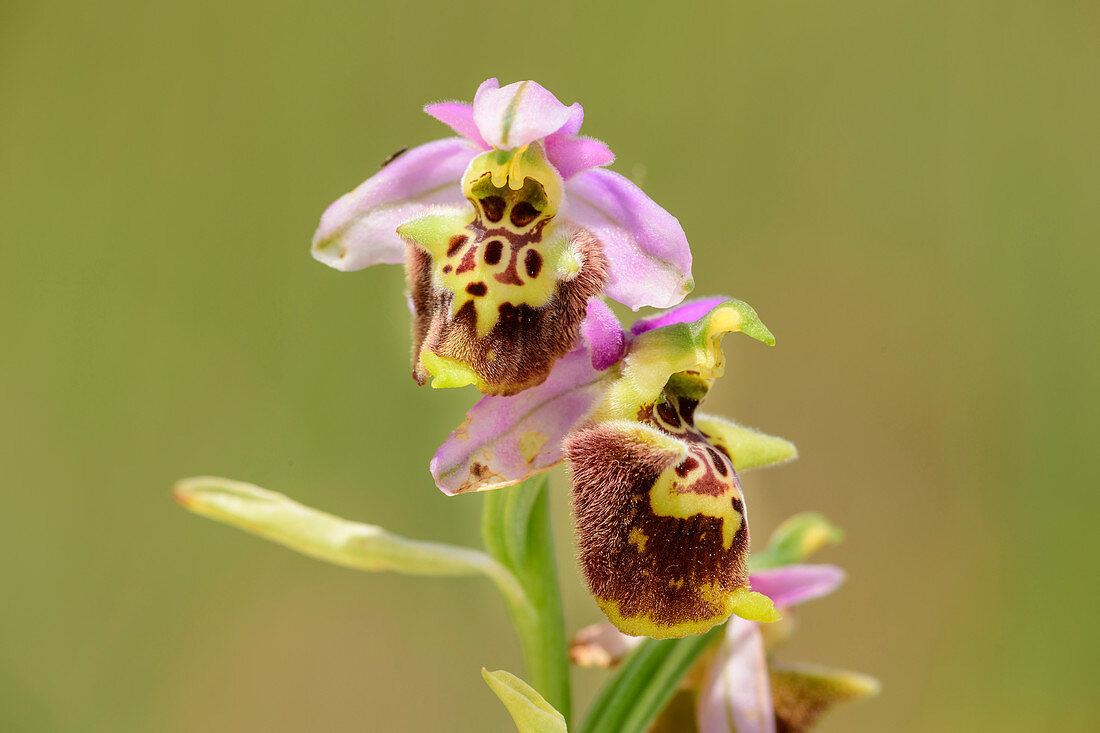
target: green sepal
693 347
802 693
746 447
529 710
796 539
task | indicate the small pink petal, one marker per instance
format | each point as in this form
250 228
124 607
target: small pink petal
736 688
649 261
571 155
520 113
603 334
360 228
793 584
505 440
687 312
459 116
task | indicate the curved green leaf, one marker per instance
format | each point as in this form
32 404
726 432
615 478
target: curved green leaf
332 539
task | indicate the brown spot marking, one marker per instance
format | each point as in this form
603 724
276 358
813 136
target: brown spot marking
447 268
493 252
493 206
686 466
455 244
718 461
469 261
510 276
532 262
523 213
477 289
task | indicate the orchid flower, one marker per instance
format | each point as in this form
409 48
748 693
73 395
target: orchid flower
661 521
506 233
739 688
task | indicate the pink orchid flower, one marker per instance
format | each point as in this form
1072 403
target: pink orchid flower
506 232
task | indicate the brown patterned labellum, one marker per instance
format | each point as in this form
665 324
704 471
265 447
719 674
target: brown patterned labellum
661 525
491 302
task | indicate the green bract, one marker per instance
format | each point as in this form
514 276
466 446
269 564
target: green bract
531 713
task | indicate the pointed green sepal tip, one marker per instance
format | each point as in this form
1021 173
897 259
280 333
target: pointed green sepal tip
529 710
669 348
749 322
449 373
796 539
746 447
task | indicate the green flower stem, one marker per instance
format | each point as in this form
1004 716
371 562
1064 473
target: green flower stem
631 699
516 529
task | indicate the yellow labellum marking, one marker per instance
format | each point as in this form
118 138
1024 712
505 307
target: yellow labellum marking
747 604
638 538
666 501
530 443
447 372
559 263
753 606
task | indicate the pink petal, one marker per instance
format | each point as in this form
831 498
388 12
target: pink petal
647 251
576 118
517 114
736 688
603 334
687 312
507 439
793 584
459 116
360 228
571 155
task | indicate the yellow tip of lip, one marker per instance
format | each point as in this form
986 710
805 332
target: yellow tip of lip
448 373
753 606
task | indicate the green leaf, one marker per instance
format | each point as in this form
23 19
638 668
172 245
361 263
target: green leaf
516 530
527 707
332 539
630 701
796 539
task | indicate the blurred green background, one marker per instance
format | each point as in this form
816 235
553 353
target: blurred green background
906 191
